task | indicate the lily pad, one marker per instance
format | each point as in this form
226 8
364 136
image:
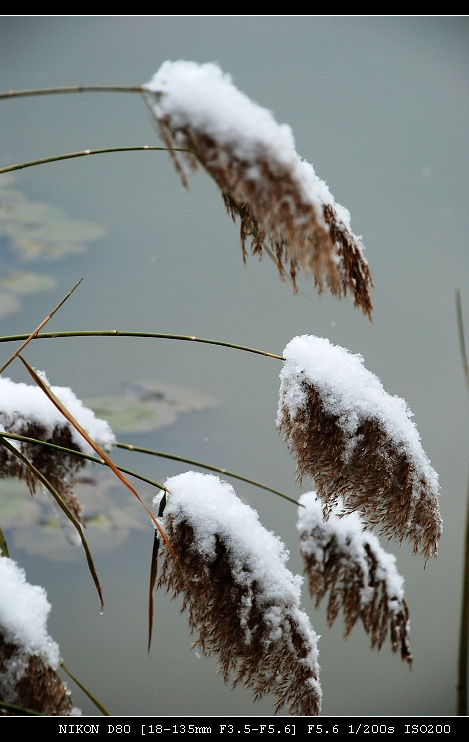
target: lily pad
37 526
37 229
30 231
24 283
8 304
148 405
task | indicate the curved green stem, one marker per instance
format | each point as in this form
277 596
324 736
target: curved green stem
19 710
192 462
82 153
97 703
74 89
464 627
160 454
79 454
122 333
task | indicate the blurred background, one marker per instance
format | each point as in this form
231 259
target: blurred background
379 105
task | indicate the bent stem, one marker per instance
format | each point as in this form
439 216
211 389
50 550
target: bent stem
97 703
174 457
122 333
39 327
82 153
73 89
79 454
464 628
68 416
141 477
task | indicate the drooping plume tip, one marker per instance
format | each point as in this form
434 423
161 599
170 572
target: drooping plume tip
357 443
243 603
346 561
284 208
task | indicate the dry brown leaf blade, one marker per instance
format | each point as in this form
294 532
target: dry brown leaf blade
63 506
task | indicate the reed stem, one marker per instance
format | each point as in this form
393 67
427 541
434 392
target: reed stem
464 627
123 333
73 89
82 153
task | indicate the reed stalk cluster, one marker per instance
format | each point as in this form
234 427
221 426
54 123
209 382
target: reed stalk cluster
367 472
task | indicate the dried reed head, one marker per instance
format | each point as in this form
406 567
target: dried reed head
58 467
357 443
26 411
242 602
361 578
29 658
27 682
283 207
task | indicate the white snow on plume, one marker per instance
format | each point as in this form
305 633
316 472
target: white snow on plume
354 545
204 98
212 507
24 610
21 402
257 557
351 394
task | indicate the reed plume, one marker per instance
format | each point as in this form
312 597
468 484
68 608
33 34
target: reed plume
29 658
361 578
58 467
27 682
282 205
243 602
26 411
357 443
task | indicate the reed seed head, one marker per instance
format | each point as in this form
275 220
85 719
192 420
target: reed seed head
29 658
27 682
346 561
282 205
358 444
26 411
243 603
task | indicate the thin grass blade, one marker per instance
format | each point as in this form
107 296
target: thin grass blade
63 507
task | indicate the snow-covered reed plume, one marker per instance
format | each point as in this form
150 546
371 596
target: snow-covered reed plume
26 411
29 657
361 578
357 443
243 602
282 204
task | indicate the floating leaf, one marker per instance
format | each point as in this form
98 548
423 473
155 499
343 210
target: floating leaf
34 524
29 231
32 249
8 304
24 282
37 229
148 405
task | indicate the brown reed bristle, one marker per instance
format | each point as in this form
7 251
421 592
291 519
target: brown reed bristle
273 211
359 576
249 651
58 467
376 477
283 207
27 682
